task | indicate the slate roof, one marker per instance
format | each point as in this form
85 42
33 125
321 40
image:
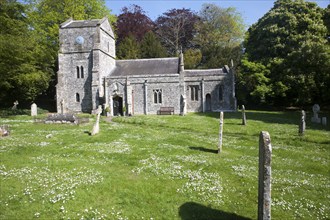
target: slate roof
154 66
202 72
81 23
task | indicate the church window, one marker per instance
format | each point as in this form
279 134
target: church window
78 73
81 72
221 93
157 96
77 97
194 93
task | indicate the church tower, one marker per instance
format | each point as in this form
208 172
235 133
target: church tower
86 57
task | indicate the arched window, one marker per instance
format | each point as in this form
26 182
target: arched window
77 97
82 72
78 75
157 96
194 93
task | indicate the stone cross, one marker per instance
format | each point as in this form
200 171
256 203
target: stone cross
34 110
15 105
243 115
302 125
264 186
96 127
315 118
220 133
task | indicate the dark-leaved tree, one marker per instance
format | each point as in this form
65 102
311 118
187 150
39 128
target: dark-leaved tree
176 28
151 47
133 21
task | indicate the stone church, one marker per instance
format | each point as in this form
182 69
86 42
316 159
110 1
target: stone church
89 75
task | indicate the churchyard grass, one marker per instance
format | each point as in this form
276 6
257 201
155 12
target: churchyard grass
162 167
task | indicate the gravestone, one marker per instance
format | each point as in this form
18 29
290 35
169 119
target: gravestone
34 110
96 127
220 133
264 186
4 130
324 121
243 115
315 118
302 124
15 105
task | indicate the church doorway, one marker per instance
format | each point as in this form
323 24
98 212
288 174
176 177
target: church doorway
117 105
208 107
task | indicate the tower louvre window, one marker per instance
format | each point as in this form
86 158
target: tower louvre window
81 72
78 73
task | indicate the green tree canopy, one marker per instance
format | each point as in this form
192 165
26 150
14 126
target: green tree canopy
291 41
219 35
128 48
23 73
151 46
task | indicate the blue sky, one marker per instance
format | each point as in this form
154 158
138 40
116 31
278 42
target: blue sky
251 10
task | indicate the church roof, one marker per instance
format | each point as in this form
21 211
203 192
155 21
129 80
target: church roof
81 23
155 66
201 72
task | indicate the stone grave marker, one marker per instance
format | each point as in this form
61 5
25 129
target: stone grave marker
315 118
302 124
96 127
34 110
15 105
264 186
324 121
4 130
243 115
220 133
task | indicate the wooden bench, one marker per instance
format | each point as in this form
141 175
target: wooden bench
165 111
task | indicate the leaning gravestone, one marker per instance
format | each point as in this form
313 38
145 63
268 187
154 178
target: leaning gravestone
264 186
34 111
302 124
96 127
315 118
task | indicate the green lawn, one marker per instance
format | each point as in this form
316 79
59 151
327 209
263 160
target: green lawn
162 167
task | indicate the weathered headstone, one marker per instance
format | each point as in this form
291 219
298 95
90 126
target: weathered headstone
264 186
315 118
324 121
302 124
34 110
4 130
243 115
15 105
220 133
96 127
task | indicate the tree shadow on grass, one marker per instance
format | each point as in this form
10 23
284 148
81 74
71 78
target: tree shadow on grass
204 149
192 210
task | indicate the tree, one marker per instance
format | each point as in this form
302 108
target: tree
133 21
151 46
192 58
128 48
291 41
176 28
45 17
23 74
219 35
